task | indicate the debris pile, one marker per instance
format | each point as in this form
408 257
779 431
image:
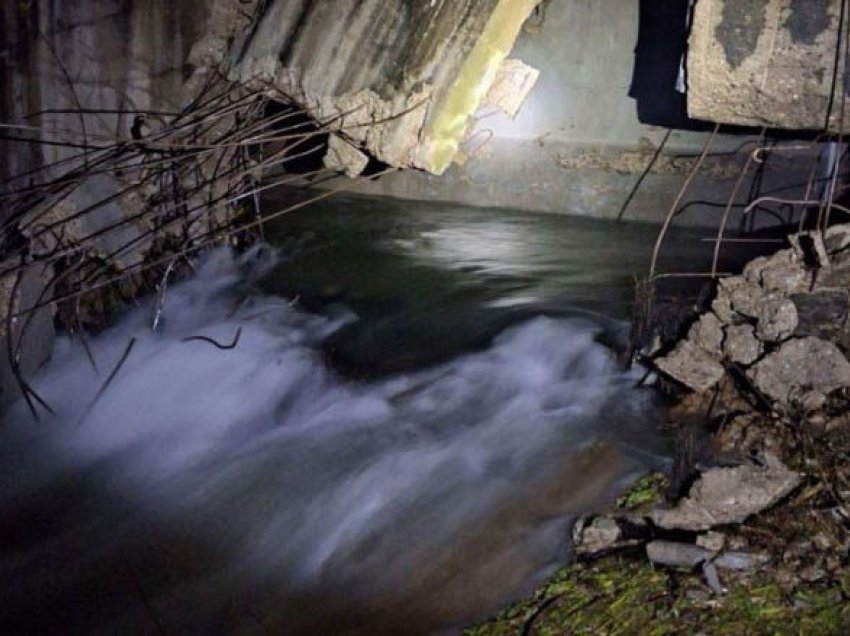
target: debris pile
763 376
782 327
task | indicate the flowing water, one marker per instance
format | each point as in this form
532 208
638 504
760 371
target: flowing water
387 425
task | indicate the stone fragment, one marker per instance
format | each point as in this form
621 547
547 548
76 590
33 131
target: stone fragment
741 560
784 273
741 345
809 247
729 495
747 298
777 319
837 238
513 83
344 157
799 367
824 315
602 533
682 555
707 334
691 366
722 307
712 541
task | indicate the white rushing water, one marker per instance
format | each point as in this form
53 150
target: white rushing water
253 489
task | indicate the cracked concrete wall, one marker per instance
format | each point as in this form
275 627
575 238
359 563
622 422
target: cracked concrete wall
778 63
419 67
577 145
104 55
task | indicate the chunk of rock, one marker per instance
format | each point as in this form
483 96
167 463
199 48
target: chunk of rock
741 561
681 555
712 541
344 157
824 315
747 299
707 334
741 345
602 533
781 272
801 367
729 495
777 319
692 366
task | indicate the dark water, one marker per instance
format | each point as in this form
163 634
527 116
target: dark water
416 407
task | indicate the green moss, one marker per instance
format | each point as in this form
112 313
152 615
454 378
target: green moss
647 491
615 596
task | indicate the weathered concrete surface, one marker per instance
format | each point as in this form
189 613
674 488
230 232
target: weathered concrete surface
113 59
401 77
729 495
766 62
577 146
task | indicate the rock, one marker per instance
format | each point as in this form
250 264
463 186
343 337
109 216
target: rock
777 319
722 304
682 555
799 367
782 272
691 366
741 345
729 495
741 561
824 315
601 534
707 334
344 157
812 573
746 297
712 541
837 238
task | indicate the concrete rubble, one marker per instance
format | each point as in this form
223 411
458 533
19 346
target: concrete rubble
785 321
723 496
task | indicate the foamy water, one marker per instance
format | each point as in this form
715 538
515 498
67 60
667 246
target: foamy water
254 490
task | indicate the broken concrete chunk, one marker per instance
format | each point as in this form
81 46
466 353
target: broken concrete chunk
682 555
783 272
514 82
729 495
741 345
602 533
824 315
712 541
691 366
777 319
707 334
799 367
722 306
747 299
344 157
837 238
741 560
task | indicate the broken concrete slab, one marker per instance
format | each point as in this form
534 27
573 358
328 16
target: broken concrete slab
707 334
602 533
740 344
729 495
801 366
513 83
692 366
344 157
762 62
777 319
674 554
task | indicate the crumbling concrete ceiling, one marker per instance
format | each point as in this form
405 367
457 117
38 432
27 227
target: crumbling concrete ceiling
778 63
399 77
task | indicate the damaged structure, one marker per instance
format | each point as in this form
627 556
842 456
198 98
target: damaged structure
112 130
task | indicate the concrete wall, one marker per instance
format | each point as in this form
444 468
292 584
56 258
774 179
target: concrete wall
108 56
577 146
